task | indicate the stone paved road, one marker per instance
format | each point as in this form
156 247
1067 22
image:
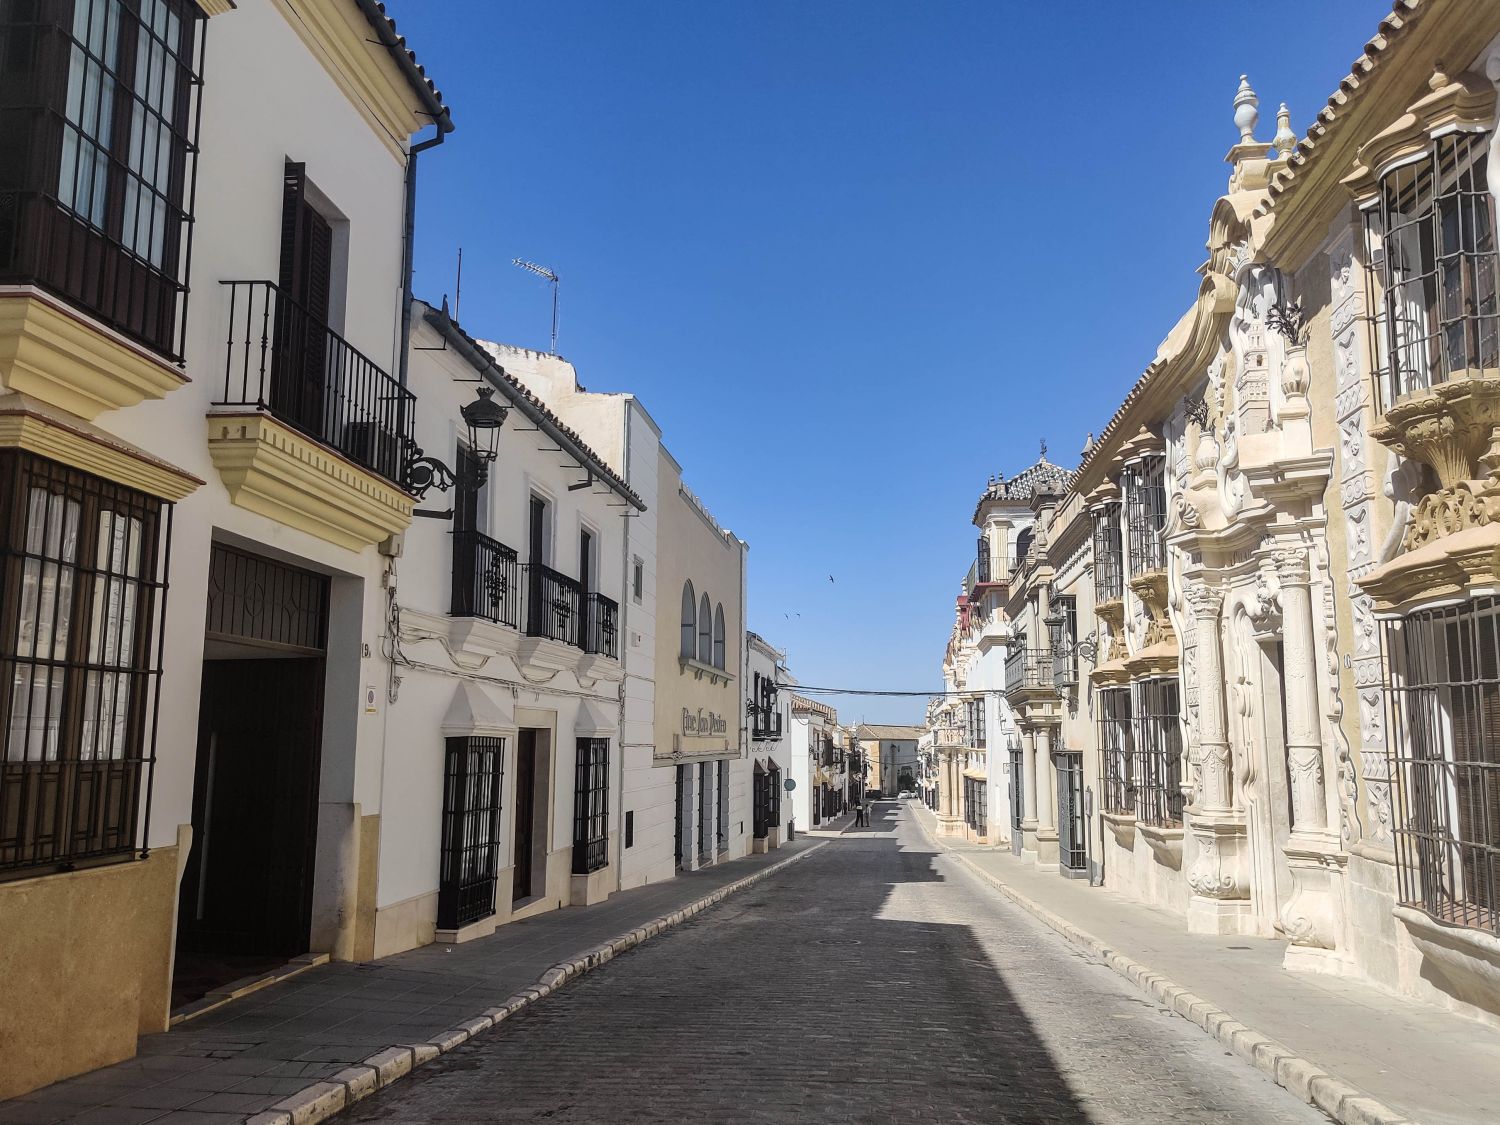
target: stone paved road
875 981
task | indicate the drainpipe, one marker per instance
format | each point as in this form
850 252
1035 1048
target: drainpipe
626 600
408 239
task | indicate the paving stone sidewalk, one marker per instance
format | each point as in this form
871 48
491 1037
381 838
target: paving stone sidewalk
1433 1067
239 1060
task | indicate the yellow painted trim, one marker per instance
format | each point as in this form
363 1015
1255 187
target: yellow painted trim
46 437
271 469
341 39
213 8
57 355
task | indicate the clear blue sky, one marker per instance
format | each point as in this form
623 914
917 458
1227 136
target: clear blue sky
854 255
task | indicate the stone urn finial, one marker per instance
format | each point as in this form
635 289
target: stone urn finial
1285 140
1246 110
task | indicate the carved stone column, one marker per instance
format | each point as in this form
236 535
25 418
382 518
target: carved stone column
1028 783
950 818
1218 877
1299 673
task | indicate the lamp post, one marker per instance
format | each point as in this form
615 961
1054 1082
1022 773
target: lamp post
483 418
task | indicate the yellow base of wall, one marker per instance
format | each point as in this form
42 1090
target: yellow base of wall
86 958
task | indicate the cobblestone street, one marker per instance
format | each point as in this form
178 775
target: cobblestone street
876 981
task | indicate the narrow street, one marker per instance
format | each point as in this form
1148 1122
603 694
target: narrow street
876 981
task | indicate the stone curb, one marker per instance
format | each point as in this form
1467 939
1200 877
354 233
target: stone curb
323 1099
1335 1097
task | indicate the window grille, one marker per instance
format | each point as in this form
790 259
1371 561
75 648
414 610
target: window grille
471 830
1062 627
1430 237
1017 795
975 796
98 119
591 806
974 723
1109 563
1119 763
1147 512
1072 840
83 567
773 803
1445 745
1158 761
721 814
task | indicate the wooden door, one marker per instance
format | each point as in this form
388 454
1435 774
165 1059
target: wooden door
525 814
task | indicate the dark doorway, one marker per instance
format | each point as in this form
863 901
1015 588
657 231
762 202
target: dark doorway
682 820
525 814
245 901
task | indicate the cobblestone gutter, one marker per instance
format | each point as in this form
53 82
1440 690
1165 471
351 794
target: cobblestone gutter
323 1099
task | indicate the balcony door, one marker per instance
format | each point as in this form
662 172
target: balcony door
300 387
585 577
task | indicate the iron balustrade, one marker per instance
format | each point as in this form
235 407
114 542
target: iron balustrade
1028 668
281 359
1120 764
601 633
1444 703
1147 515
486 579
983 561
1432 239
99 124
1017 794
554 605
470 864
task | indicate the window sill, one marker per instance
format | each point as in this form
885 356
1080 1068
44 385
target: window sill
700 669
1468 959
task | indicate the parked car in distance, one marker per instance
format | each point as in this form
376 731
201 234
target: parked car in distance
905 795
874 795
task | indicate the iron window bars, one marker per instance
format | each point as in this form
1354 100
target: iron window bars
974 730
1146 510
1017 795
1109 561
1072 839
721 808
773 804
486 579
99 120
982 563
591 806
1444 702
282 359
1158 780
83 564
1062 625
254 598
765 713
470 864
1119 763
975 796
1430 236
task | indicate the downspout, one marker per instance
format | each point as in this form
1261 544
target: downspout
626 600
408 247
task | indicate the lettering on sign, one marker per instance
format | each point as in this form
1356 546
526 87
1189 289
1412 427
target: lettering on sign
703 723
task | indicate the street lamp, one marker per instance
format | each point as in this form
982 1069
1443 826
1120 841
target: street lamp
483 417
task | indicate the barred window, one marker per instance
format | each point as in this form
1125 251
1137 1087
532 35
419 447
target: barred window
1109 563
1147 511
773 804
1445 742
1119 764
1159 759
470 863
1431 236
974 723
1017 794
80 667
1062 629
591 806
99 116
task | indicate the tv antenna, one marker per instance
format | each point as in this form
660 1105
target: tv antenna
547 275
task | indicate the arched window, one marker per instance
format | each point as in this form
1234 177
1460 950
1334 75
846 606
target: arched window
705 630
689 621
719 636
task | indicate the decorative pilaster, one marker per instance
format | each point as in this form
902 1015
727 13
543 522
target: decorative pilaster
1214 789
1046 799
1304 743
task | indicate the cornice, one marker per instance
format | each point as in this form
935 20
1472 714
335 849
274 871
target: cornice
26 426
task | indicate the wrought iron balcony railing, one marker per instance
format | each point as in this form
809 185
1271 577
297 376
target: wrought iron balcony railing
601 626
486 579
282 359
554 605
1028 668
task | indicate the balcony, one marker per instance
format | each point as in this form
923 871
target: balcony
765 725
601 626
308 430
486 579
1029 670
554 605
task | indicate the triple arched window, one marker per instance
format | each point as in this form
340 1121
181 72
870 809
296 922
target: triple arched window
702 628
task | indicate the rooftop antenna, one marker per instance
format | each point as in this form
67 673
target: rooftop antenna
458 284
547 275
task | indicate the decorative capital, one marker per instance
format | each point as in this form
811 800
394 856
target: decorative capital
1205 601
1292 567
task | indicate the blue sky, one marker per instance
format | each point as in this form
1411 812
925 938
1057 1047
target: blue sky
854 255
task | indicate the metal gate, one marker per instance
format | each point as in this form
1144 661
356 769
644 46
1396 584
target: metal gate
1072 844
1017 797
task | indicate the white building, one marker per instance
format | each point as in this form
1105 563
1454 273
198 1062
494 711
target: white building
769 709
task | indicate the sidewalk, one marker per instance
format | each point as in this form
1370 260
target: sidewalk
287 1041
1426 1065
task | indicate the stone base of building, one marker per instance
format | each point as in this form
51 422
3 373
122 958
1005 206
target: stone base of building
86 957
951 826
484 927
595 887
1047 850
760 845
1222 916
1312 959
